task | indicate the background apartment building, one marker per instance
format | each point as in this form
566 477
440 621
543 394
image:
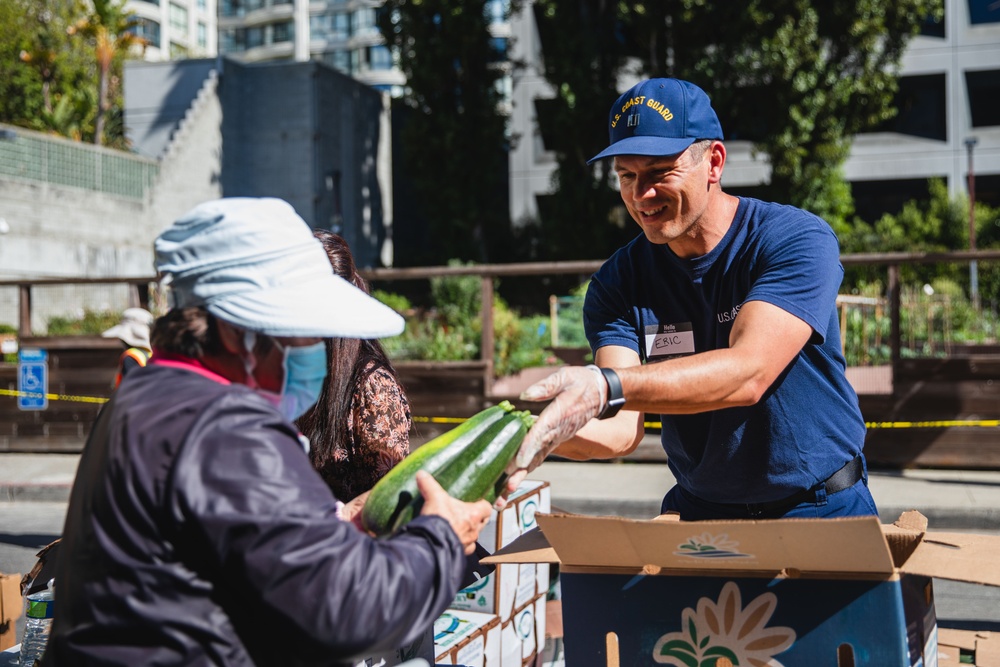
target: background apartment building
176 29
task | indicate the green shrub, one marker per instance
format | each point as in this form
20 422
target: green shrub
451 329
397 302
92 323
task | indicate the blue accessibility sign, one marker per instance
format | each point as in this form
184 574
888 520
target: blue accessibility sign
32 379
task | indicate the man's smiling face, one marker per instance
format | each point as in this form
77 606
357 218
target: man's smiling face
666 195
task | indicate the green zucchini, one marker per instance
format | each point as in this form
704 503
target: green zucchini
484 476
468 461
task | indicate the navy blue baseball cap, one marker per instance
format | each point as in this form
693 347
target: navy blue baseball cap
659 117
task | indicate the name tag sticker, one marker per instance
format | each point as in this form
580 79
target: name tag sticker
664 341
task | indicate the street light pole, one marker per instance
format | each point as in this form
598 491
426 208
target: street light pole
970 143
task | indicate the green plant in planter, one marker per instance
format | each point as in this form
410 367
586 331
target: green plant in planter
92 323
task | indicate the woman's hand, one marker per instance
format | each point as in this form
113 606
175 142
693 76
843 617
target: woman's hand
466 519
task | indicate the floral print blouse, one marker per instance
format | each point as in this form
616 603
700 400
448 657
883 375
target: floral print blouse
379 432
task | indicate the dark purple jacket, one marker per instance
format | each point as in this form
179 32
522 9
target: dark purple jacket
199 534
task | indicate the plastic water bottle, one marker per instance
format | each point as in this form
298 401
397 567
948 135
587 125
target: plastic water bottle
36 628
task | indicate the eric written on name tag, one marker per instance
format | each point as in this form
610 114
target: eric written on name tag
664 341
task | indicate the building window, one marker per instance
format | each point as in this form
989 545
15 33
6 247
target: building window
231 8
339 60
872 199
505 89
202 35
330 27
933 27
364 22
984 91
178 52
178 20
922 108
255 37
984 11
148 30
202 5
498 45
497 11
232 40
379 58
282 32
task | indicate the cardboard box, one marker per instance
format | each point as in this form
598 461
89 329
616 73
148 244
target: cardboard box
791 591
968 647
523 636
422 647
510 586
467 638
11 607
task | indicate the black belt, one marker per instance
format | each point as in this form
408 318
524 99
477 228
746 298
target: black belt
844 478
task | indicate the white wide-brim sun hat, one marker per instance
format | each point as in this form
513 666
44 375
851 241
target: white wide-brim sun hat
255 264
133 328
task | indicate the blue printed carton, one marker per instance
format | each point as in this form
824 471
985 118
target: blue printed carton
780 593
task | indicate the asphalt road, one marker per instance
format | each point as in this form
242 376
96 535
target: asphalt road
25 527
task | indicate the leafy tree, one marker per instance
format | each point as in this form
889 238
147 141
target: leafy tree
109 29
17 79
42 69
454 137
938 224
584 52
799 78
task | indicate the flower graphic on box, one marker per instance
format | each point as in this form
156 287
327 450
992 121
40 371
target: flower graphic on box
707 545
724 633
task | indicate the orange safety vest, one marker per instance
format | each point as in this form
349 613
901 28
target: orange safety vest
137 354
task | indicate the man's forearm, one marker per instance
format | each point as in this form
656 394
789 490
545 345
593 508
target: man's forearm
606 439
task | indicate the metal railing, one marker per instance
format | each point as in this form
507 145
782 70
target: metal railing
884 313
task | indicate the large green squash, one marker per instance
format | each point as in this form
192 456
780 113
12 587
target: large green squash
468 461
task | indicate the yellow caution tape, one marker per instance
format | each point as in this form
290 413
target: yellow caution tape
439 420
55 397
982 423
948 423
987 423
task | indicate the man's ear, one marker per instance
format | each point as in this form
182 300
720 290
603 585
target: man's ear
231 337
717 161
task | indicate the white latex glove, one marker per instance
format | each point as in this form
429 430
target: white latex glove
578 392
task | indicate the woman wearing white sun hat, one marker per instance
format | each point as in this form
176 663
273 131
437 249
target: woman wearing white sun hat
198 533
133 332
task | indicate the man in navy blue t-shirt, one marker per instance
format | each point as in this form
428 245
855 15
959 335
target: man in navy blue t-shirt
721 318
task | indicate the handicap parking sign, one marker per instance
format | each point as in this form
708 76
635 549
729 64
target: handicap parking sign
32 379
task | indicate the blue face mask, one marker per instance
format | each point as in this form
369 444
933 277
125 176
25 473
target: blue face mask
305 372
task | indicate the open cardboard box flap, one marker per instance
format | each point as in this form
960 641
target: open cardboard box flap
854 545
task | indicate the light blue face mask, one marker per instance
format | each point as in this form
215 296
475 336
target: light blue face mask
305 372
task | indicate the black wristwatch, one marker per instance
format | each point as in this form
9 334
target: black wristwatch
616 399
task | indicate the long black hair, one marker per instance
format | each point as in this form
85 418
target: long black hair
350 361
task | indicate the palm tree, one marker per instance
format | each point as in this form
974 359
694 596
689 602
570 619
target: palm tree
110 28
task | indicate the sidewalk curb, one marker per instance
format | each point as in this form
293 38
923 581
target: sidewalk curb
35 493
